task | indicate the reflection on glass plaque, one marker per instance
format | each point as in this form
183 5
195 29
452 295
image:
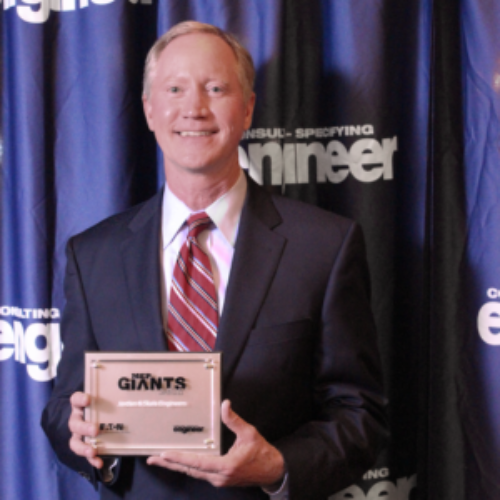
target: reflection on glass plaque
145 403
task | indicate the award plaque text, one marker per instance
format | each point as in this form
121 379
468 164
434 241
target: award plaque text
146 403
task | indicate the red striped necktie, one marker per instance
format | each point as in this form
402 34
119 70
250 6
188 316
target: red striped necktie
193 316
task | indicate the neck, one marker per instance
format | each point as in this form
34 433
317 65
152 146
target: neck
198 190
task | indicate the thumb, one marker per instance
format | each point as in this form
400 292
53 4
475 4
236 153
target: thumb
232 420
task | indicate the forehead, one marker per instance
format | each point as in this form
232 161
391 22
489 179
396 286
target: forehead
197 53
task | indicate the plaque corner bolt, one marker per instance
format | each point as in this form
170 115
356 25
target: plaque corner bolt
93 442
95 364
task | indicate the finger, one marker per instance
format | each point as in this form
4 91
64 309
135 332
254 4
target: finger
96 462
206 463
78 426
225 409
79 399
81 448
76 423
233 421
167 464
215 478
87 451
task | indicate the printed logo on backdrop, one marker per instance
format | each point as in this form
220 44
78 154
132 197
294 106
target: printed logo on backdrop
336 152
404 488
38 11
31 337
488 319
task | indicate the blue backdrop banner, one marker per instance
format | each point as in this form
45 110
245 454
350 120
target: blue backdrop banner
341 121
480 369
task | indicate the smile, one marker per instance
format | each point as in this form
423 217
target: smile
194 134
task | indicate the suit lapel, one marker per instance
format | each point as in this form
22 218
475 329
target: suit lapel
256 257
141 259
257 254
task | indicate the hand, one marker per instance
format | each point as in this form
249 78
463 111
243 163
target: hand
79 428
251 461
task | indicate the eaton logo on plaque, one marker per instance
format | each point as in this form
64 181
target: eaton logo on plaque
145 403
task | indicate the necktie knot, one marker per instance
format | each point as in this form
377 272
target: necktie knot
197 223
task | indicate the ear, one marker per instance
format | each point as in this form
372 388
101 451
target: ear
148 112
249 107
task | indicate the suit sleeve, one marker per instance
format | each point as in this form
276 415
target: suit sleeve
333 450
76 331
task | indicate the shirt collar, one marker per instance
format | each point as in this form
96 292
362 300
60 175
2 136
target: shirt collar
225 212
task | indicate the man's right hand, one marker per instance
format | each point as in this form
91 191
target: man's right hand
80 429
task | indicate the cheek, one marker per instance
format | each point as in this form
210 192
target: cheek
162 110
231 120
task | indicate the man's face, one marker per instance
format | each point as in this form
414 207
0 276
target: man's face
196 106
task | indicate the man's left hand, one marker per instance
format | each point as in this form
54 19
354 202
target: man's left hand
251 461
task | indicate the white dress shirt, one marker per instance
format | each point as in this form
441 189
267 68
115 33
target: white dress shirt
217 241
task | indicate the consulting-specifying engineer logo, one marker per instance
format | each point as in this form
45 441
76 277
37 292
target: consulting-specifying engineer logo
401 489
488 319
326 154
38 11
31 337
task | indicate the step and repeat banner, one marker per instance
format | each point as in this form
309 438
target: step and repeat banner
342 121
479 371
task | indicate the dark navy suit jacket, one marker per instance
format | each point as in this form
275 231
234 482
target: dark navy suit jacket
300 354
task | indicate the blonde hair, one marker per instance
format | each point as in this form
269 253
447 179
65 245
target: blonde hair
245 69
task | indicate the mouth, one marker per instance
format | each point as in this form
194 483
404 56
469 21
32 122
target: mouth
195 133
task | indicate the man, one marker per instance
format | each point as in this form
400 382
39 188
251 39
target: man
304 408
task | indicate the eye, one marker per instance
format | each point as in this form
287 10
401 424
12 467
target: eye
216 89
174 89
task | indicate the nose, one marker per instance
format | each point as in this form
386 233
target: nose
196 104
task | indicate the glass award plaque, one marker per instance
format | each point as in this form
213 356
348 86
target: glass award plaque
146 403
